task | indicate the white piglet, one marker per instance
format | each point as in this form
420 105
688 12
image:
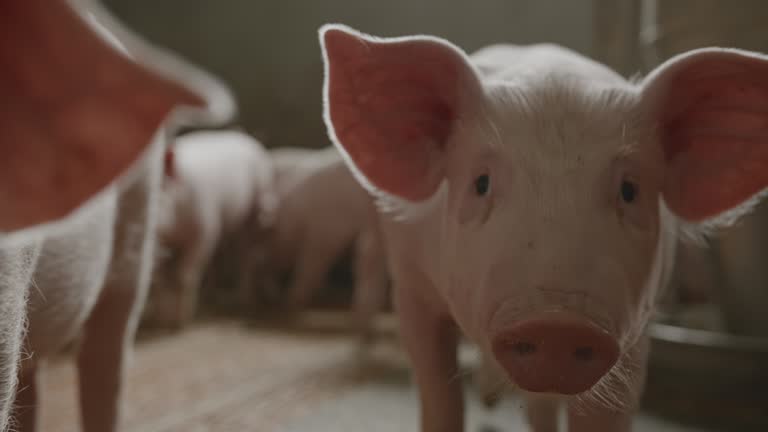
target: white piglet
323 211
217 184
533 201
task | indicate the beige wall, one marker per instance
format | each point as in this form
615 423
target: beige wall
268 51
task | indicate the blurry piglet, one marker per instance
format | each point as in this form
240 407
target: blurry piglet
218 183
86 109
322 212
532 199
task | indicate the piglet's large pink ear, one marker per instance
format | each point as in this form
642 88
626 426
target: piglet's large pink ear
74 112
391 105
711 107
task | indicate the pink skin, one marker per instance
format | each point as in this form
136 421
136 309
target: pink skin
534 201
81 159
323 211
217 183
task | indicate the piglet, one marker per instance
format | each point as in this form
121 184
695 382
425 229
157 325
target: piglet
533 198
81 110
322 213
217 183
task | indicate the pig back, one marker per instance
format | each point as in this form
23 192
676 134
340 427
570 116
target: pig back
224 172
318 193
506 62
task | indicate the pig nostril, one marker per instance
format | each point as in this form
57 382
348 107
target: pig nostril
584 354
524 348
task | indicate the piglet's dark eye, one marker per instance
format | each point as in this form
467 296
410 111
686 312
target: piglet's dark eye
482 184
628 192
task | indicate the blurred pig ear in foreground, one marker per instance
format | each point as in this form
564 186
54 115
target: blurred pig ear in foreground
82 100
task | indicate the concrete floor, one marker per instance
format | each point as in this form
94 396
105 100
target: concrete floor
224 376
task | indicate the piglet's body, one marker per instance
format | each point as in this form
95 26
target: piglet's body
81 141
323 211
218 183
533 198
90 281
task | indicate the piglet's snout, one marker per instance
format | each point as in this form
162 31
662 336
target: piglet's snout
555 353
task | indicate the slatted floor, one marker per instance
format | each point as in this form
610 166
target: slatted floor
227 376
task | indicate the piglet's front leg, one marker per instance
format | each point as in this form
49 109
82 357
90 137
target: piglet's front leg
599 420
541 413
109 332
370 292
191 269
430 339
592 416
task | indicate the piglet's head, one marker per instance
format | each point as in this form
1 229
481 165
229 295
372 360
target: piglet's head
554 192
